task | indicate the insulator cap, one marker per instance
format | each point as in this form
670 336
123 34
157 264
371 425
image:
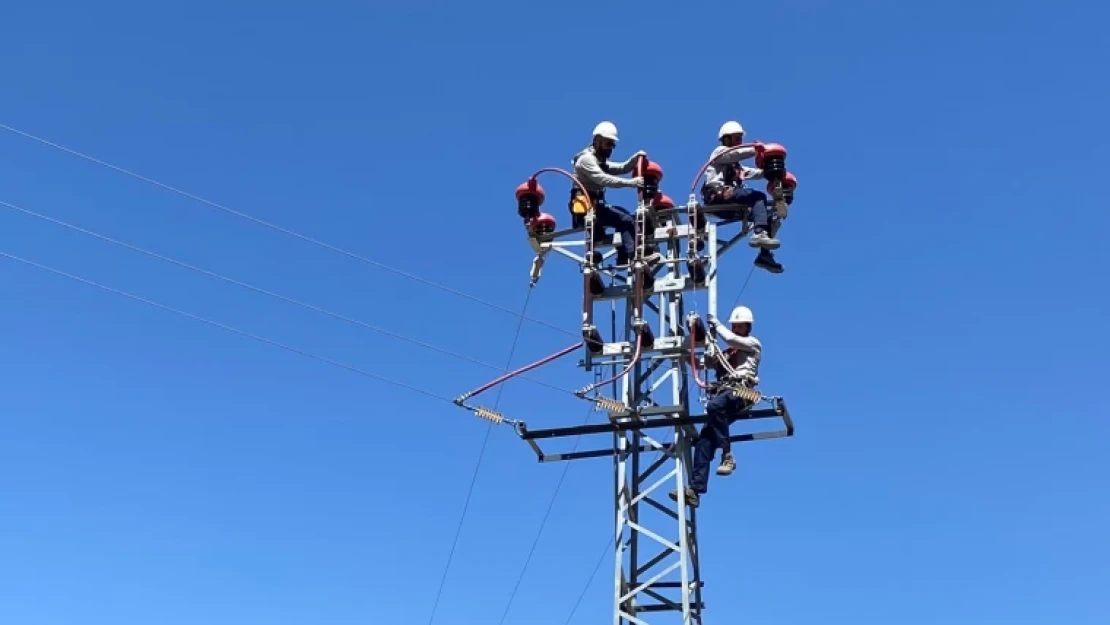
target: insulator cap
531 187
543 224
663 201
771 152
654 170
774 149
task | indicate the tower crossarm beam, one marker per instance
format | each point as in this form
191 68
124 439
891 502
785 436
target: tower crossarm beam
620 424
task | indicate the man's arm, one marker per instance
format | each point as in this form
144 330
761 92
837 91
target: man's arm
748 344
627 167
587 167
724 155
752 173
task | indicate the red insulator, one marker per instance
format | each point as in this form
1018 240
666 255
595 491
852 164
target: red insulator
772 160
663 201
652 174
543 224
774 149
531 186
529 199
789 183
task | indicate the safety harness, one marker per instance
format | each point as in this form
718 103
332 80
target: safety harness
576 204
740 385
733 178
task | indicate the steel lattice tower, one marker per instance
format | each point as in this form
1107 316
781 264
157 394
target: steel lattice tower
657 573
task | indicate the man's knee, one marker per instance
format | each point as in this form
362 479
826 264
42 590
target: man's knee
718 405
751 197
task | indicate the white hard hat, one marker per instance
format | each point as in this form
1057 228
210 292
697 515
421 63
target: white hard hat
730 128
606 130
740 314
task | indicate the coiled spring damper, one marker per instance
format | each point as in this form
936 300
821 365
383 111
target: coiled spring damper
789 183
772 160
653 175
529 199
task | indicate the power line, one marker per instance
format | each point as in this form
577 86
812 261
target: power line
746 280
590 581
228 328
477 468
280 229
272 294
543 524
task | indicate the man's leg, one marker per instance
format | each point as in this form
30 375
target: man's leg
757 202
761 232
713 434
736 407
621 221
726 196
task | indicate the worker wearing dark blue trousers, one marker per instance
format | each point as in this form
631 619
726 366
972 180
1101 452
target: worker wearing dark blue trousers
724 184
724 408
726 404
621 221
595 172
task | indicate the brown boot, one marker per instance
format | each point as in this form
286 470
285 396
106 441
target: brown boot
692 498
727 466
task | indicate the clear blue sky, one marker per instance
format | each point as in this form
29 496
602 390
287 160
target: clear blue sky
938 331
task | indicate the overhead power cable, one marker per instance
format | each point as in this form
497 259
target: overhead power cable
543 524
272 294
227 328
745 286
477 468
590 581
281 229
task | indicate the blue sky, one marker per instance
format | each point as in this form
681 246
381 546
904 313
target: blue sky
938 331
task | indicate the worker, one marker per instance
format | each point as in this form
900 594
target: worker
725 406
724 184
596 173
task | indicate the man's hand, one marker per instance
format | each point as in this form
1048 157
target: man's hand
638 181
711 318
639 153
759 147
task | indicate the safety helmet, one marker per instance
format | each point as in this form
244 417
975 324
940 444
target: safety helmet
730 128
740 314
606 130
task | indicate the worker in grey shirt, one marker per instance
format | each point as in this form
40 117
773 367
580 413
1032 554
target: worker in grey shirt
724 184
725 405
596 172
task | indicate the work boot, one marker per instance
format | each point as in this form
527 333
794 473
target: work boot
766 260
727 466
692 498
763 240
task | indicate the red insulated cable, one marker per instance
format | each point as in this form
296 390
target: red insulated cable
524 369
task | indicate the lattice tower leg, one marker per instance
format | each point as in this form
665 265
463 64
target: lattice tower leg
656 574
